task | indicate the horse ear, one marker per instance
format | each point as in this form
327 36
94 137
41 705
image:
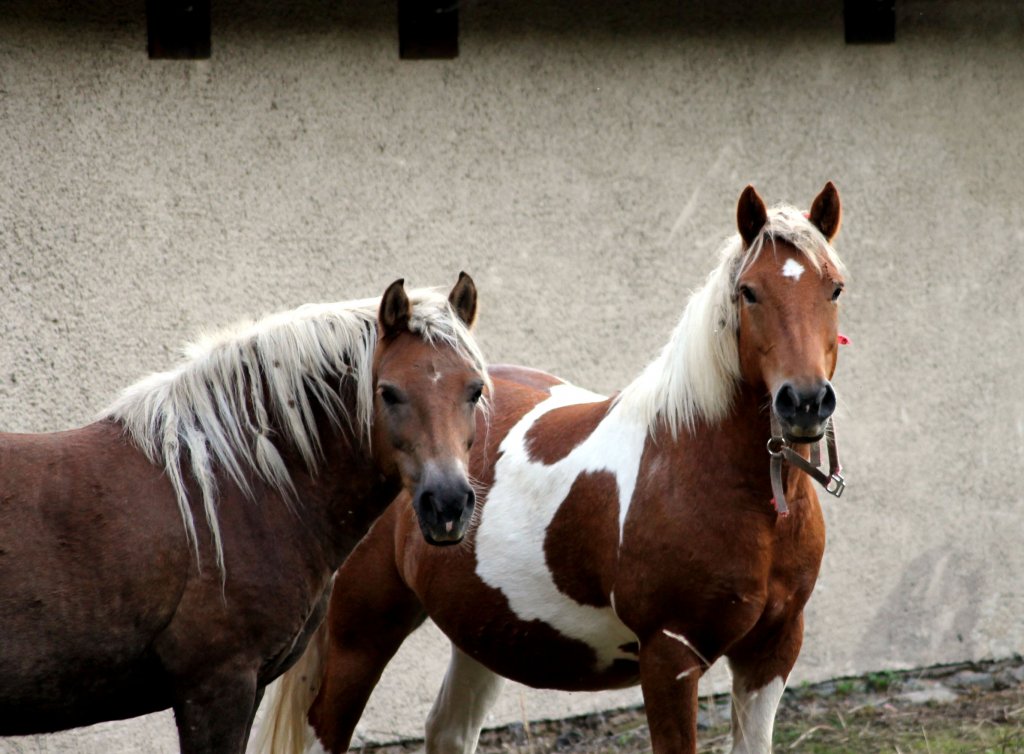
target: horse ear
463 299
395 309
751 215
826 212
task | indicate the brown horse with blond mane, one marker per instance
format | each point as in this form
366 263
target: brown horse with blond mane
634 539
286 438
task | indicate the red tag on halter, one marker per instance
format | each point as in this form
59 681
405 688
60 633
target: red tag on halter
782 514
842 340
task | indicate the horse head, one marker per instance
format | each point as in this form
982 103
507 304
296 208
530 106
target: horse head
787 296
425 402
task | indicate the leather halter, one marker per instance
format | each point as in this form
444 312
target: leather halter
781 450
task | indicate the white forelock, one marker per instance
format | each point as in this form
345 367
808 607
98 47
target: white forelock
694 377
247 392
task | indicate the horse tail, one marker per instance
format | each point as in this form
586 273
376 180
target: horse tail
285 729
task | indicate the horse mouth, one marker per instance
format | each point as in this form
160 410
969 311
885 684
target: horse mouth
445 534
796 435
441 542
442 532
799 433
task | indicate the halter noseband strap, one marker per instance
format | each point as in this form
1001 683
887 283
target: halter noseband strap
780 450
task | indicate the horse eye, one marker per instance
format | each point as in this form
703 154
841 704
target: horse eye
748 294
391 396
835 294
476 394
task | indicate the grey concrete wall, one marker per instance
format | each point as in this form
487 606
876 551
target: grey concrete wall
583 162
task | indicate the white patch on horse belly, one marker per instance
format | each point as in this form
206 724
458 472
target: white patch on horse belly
522 502
792 269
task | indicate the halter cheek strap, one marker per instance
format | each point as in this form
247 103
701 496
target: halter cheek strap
780 450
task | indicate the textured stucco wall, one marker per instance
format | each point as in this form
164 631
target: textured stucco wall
583 162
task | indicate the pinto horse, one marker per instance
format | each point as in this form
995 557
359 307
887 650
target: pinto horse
286 438
625 540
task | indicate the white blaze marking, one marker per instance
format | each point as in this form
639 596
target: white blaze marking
521 504
792 269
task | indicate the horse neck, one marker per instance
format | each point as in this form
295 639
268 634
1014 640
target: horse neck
745 432
735 446
736 454
343 496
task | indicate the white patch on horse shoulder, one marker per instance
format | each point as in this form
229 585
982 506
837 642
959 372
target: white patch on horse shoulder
522 502
792 269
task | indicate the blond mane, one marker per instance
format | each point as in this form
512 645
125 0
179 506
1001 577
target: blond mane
245 393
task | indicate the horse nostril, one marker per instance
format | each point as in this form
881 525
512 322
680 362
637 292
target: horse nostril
426 501
787 402
826 401
468 503
459 503
805 407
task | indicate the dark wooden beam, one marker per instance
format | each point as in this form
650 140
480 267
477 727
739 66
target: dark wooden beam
870 21
178 29
428 29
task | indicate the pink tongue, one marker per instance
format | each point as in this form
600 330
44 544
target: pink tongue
842 340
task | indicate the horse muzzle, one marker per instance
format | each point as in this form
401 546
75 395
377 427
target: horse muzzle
804 411
444 506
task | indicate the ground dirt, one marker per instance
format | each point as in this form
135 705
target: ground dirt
973 708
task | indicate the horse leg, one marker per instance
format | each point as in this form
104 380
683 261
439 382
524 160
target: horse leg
371 613
760 667
214 715
467 694
669 671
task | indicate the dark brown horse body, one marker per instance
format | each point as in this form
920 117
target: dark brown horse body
626 540
115 602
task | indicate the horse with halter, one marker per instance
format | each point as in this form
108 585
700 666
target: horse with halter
624 540
179 551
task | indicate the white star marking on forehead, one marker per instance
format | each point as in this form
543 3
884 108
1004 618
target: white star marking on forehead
792 269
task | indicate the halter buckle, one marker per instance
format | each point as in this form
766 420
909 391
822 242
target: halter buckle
775 446
836 485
